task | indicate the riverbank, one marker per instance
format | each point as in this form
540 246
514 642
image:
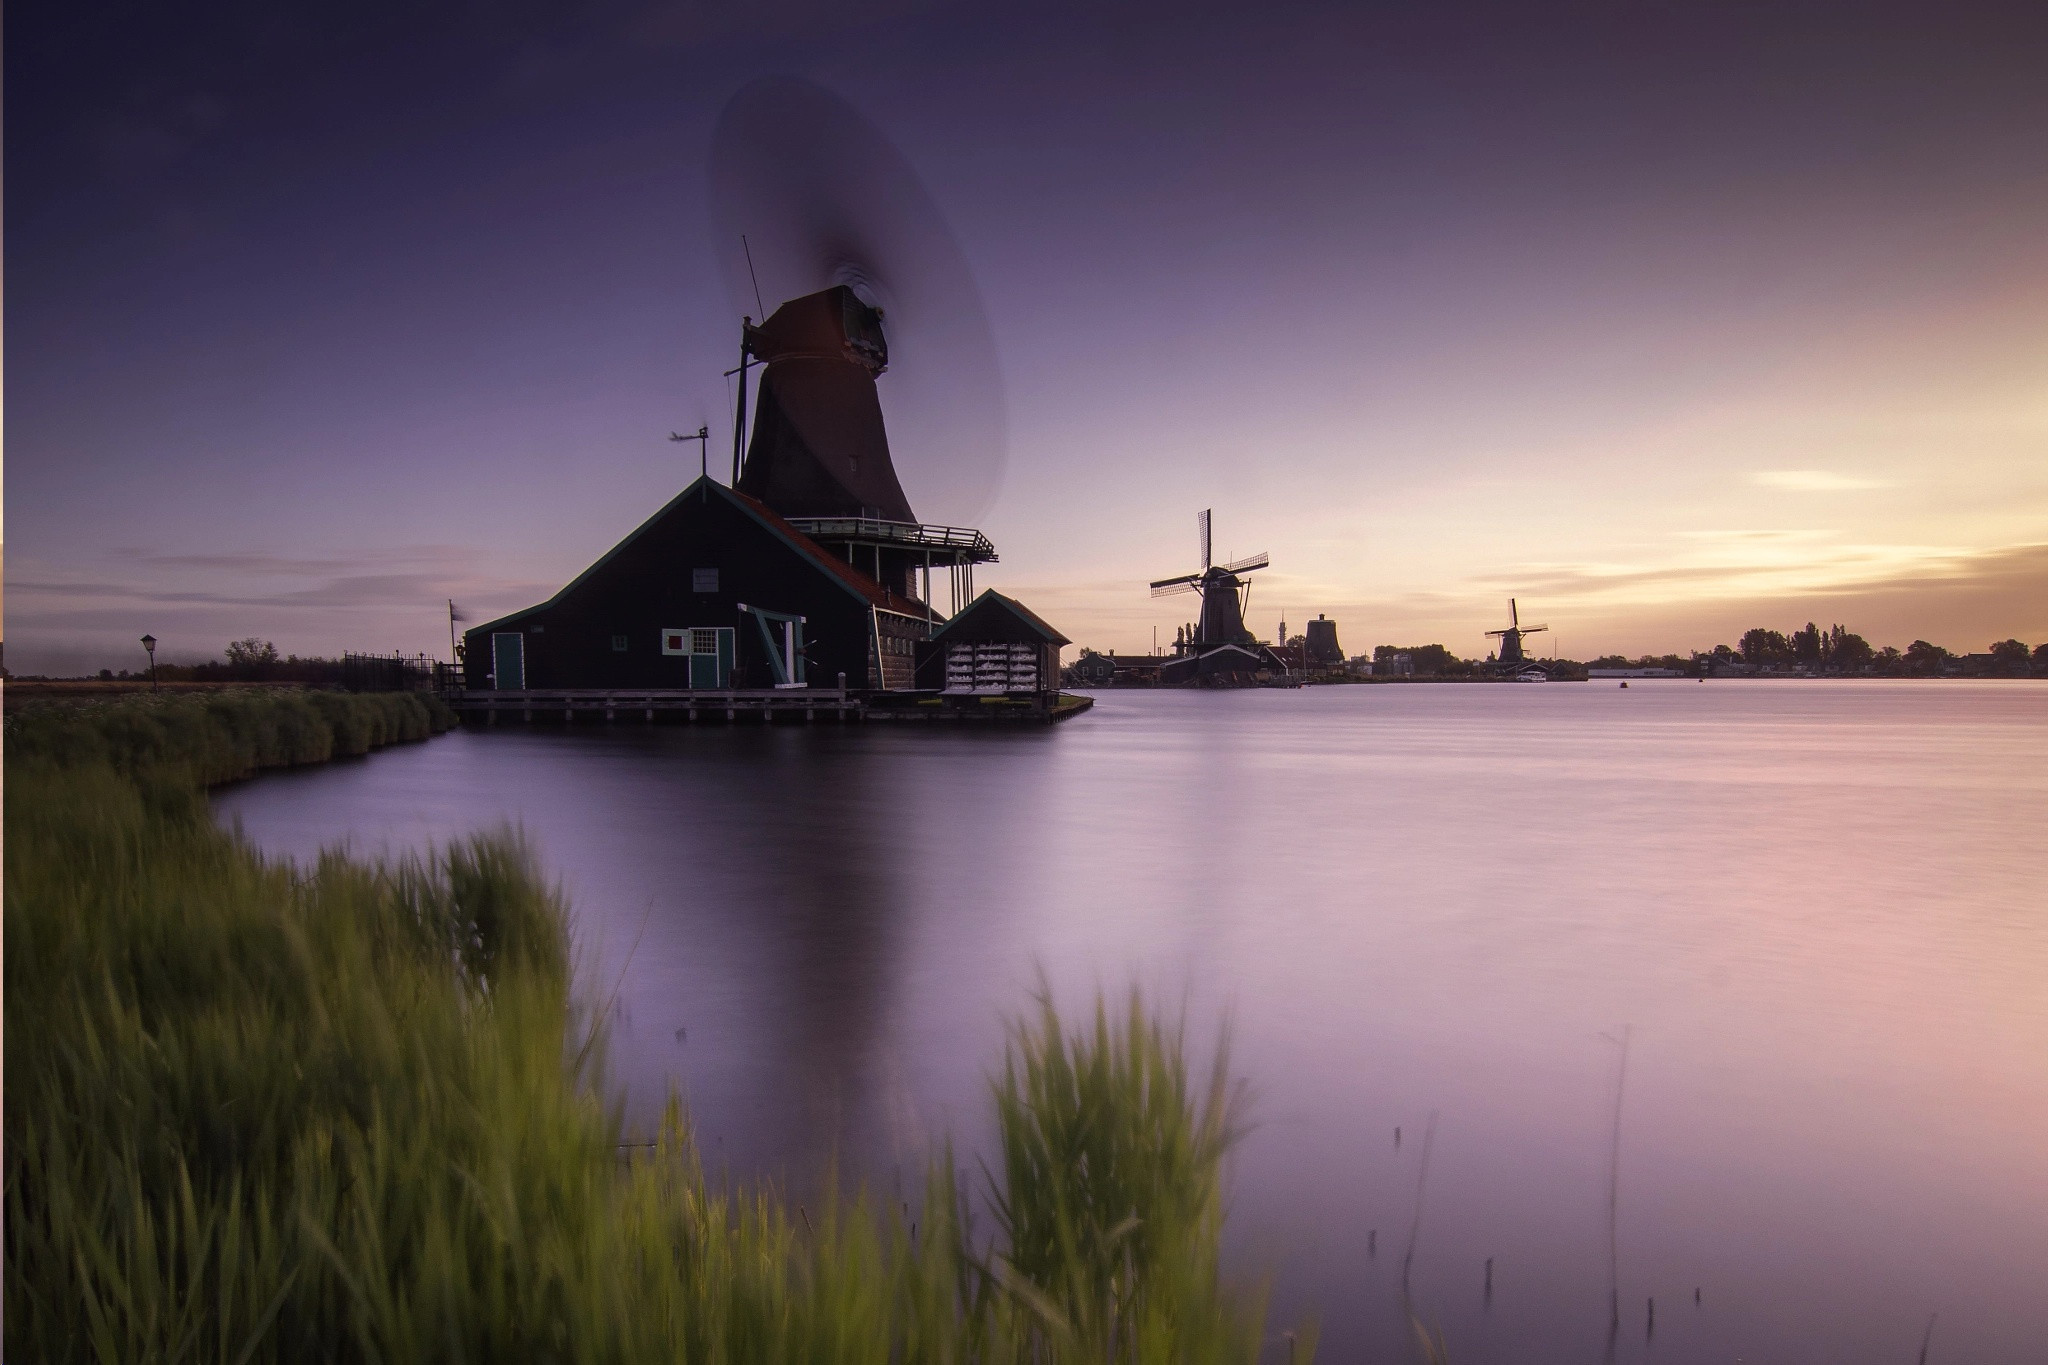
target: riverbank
352 1110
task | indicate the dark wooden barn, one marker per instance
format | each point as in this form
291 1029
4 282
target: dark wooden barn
997 644
713 591
811 570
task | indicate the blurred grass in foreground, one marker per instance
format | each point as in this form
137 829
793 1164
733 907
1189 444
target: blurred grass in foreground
349 1111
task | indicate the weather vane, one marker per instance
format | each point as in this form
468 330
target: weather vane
702 437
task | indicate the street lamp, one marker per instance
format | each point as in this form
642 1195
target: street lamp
149 643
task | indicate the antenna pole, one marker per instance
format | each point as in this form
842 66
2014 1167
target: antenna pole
762 307
739 421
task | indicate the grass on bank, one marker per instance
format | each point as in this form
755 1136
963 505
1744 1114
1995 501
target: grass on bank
349 1111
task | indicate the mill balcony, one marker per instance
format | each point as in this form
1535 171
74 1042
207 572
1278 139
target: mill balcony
945 544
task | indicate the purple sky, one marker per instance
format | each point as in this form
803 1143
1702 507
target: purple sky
1668 320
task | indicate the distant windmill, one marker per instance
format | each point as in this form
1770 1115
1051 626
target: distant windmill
1224 595
1511 637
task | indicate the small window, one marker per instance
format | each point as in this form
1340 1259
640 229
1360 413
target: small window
675 642
618 644
704 641
536 629
703 580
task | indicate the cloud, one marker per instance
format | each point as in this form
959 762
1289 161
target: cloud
350 591
424 557
1734 580
67 617
1814 481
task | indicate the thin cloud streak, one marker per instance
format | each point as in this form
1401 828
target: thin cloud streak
356 592
1814 481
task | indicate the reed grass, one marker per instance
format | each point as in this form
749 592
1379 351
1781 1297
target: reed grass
219 737
350 1111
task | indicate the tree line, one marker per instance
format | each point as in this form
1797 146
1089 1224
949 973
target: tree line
247 660
1834 649
1839 650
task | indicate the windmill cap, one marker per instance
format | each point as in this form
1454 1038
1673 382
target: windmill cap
832 324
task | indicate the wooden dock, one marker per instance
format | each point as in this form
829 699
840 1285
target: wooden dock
797 705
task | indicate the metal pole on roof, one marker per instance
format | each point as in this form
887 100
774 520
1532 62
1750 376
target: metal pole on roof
739 422
703 440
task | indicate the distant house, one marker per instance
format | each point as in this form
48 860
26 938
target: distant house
1116 670
712 591
1092 670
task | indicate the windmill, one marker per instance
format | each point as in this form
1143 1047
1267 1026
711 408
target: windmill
1217 647
1511 655
1224 595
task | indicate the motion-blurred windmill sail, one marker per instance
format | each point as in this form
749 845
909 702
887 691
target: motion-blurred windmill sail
1218 646
807 198
812 199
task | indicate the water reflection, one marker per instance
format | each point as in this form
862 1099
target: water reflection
757 979
1816 906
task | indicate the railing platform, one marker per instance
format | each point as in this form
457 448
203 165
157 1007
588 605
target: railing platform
782 705
947 544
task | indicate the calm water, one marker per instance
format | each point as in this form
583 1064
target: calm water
1821 911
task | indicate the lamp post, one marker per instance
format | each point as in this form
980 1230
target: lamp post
149 643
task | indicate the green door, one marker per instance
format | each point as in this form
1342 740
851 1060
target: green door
711 655
508 660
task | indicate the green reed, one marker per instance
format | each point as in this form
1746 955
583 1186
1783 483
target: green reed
219 737
351 1111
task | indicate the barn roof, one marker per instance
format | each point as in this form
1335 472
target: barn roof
841 572
877 595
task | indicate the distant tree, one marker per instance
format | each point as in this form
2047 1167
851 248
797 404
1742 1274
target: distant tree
1889 660
1847 653
1612 661
2041 659
1422 658
1808 646
251 657
1922 657
1762 646
2009 656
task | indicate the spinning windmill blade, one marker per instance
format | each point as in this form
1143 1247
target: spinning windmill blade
1203 522
821 198
1257 561
1173 587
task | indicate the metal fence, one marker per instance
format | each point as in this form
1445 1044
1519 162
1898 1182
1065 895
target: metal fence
389 672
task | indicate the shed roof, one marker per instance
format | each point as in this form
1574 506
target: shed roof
993 609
